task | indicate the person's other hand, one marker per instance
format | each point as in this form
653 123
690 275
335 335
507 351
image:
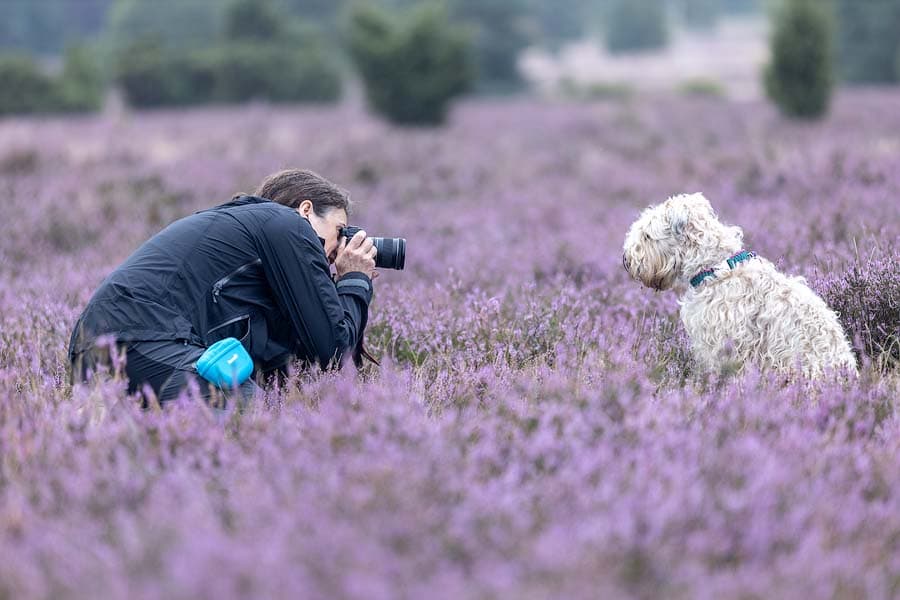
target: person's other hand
357 255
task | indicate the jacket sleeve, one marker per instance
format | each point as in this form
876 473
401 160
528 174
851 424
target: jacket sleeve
326 318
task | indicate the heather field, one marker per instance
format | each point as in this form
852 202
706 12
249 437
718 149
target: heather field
536 429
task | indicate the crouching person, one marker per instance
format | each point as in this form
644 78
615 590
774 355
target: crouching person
255 270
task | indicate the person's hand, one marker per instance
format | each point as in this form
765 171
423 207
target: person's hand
357 255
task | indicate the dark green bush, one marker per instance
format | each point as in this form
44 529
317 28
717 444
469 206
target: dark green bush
897 69
412 64
81 85
635 25
175 24
25 88
800 77
500 33
268 55
151 76
253 20
246 71
235 72
702 87
868 40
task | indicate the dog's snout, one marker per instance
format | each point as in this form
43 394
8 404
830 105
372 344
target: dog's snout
625 262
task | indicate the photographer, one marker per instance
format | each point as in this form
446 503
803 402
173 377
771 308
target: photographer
255 269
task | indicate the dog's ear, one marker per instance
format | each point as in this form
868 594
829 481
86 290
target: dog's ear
699 201
682 209
678 214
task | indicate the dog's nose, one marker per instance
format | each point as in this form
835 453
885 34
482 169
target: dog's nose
625 262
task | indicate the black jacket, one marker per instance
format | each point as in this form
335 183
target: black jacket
250 269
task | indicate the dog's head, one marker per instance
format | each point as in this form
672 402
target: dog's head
672 240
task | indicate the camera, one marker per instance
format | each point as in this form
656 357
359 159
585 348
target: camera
391 251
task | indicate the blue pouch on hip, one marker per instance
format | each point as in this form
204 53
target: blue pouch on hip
225 364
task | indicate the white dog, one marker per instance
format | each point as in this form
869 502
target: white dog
737 308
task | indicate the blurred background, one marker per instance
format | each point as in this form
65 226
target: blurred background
411 59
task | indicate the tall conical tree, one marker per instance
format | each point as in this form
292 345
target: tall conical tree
800 77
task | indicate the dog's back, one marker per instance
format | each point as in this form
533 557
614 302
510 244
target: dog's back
756 315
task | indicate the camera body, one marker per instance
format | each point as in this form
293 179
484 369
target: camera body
391 251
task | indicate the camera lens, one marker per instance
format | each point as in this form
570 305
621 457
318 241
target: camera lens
391 253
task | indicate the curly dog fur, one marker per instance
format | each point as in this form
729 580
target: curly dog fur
750 314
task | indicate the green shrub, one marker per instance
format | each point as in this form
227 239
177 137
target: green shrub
151 76
237 72
263 54
81 85
500 33
174 24
412 64
268 55
596 91
702 87
868 40
897 68
635 25
25 88
800 77
253 20
246 71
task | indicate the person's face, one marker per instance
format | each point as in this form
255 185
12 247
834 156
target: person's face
327 227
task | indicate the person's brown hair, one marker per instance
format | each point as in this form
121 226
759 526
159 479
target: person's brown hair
293 186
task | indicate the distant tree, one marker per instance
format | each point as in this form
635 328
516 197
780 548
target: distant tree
48 26
323 13
560 21
412 64
151 75
701 14
254 20
742 6
868 40
636 25
81 85
267 53
180 24
25 88
897 69
249 70
800 77
500 31
262 53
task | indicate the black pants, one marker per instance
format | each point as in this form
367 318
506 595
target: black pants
166 367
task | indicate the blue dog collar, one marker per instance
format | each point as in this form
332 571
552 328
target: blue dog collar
730 263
